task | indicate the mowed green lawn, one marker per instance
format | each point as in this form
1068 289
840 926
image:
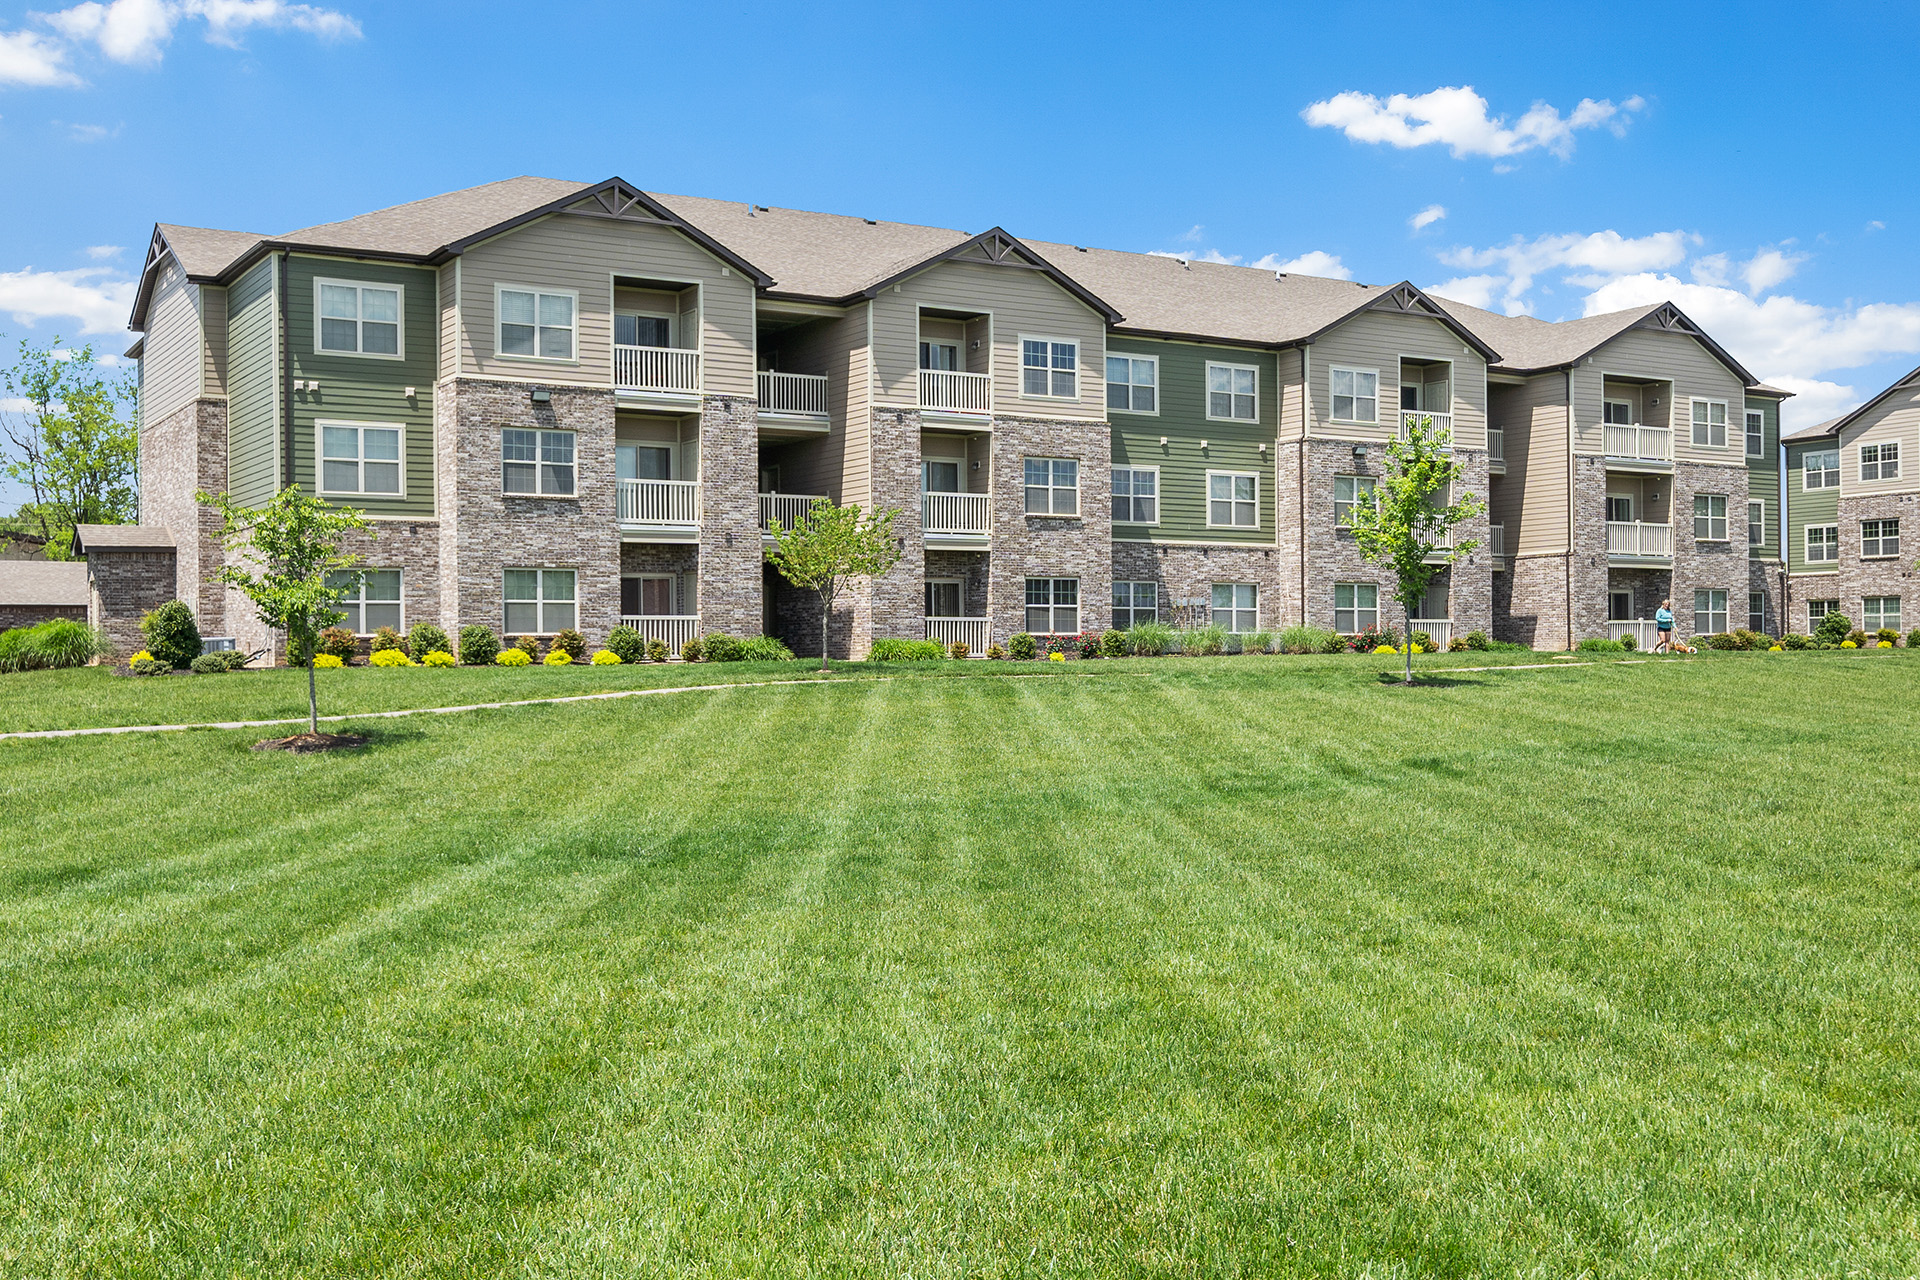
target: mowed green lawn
1236 967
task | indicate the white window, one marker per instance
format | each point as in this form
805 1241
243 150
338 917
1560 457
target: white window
371 599
1348 490
647 595
1619 508
941 357
943 598
1823 543
536 325
1710 517
1356 607
359 319
1233 393
538 462
1756 436
1879 461
539 601
1053 487
1135 602
1756 611
1233 500
1818 609
1879 612
1617 413
640 461
361 458
1236 606
1820 469
1049 368
1133 384
1053 606
638 329
1879 539
1356 394
1709 612
1756 523
1136 495
1710 424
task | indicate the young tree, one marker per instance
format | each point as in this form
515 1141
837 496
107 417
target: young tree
829 545
1401 528
286 550
70 447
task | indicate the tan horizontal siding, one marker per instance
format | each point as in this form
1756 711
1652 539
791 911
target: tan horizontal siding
1895 420
449 328
833 347
1378 340
1531 499
171 363
1690 371
213 340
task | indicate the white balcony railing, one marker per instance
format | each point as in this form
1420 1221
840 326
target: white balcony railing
672 630
956 392
956 513
669 369
1439 629
1645 634
790 509
971 632
1638 444
1441 422
658 502
1497 446
1497 541
1640 540
798 393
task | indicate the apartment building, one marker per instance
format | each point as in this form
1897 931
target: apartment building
578 405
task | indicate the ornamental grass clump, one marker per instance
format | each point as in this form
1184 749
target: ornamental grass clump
1257 642
891 650
478 648
51 645
1596 644
769 649
1301 639
1149 639
514 657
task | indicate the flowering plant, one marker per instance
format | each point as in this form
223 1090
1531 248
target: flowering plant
1056 656
142 656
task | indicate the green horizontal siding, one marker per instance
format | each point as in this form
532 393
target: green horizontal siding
253 385
1820 506
1763 476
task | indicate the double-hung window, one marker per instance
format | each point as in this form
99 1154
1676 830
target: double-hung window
1710 424
1356 607
370 598
1880 461
1756 436
1756 611
539 601
1053 606
536 325
1878 612
1879 539
1823 543
1820 469
1136 495
1348 490
1233 393
1710 517
536 462
1053 487
1709 612
1133 384
1049 368
360 458
358 319
1135 602
1756 524
1236 606
1356 394
1818 609
1233 500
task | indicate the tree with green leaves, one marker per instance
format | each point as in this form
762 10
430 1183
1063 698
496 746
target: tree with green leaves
283 553
1402 527
70 447
828 546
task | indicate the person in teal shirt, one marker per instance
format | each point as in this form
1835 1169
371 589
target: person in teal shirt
1663 622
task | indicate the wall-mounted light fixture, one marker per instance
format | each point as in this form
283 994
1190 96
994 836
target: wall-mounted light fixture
542 396
1163 442
1360 452
411 392
1203 444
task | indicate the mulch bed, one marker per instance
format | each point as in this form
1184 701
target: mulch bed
305 743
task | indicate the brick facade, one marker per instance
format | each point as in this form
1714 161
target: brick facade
1892 576
29 615
1027 546
730 548
123 586
180 454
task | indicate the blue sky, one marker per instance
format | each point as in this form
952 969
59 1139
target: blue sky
1749 162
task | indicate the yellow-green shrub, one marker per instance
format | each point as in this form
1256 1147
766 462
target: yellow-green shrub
606 658
1386 648
390 658
324 660
439 658
512 658
558 658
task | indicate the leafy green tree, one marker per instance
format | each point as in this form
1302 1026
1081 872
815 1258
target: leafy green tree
283 552
1401 528
830 545
69 447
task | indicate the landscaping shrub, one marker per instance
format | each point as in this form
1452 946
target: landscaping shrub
1596 644
1149 639
1848 644
438 658
1422 640
1628 643
56 643
1477 640
514 657
656 650
343 644
1725 642
995 653
571 643
1858 637
907 651
1088 644
1370 640
606 658
1386 648
1794 640
1259 642
1457 645
145 664
390 658
477 646
1833 628
769 649
208 664
626 644
1203 642
959 649
1299 639
1333 642
1888 634
557 657
384 638
1883 644
13 650
721 647
1113 644
172 635
691 650
323 661
1020 647
529 645
424 638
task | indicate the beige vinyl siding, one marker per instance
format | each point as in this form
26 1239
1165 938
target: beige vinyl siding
1895 420
1290 394
582 255
253 386
1689 369
449 302
171 366
1379 340
1531 499
213 343
837 348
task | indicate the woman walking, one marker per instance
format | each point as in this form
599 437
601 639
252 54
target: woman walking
1663 623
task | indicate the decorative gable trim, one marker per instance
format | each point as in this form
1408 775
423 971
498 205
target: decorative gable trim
998 248
1667 318
1406 298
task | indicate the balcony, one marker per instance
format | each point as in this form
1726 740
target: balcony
1637 448
1497 541
956 515
1441 422
945 391
1643 631
1497 451
1635 542
790 509
670 371
672 630
971 632
797 395
1440 630
668 508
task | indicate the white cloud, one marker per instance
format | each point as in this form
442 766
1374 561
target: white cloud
16 404
1457 118
1427 216
136 33
90 132
1196 255
1475 291
1599 257
101 252
226 19
31 60
1770 267
1315 263
1814 400
91 295
130 31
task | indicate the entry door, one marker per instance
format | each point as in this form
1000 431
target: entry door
940 475
1619 606
643 462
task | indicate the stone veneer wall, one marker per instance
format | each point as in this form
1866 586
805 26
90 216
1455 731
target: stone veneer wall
1769 578
1188 573
180 454
123 585
890 607
29 615
1721 566
1050 546
975 571
731 553
1859 578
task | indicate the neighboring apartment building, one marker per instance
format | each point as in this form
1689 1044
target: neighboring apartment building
576 405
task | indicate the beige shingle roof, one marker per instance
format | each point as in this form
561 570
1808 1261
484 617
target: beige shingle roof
204 252
1762 389
127 537
419 227
1815 431
43 582
1526 344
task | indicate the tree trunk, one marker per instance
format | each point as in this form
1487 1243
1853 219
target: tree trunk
1409 679
826 612
313 702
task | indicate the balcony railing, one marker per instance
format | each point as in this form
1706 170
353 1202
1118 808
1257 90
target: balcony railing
797 393
956 513
790 509
672 630
953 392
1644 633
1497 446
658 502
1497 541
1439 629
1441 422
669 369
1638 444
1639 540
971 632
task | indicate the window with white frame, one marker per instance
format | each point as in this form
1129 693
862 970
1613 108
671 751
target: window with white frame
1053 487
1820 469
536 462
1356 607
1049 368
1756 522
1233 392
1133 383
539 601
1236 606
1818 609
1756 434
1233 500
1710 424
1880 461
369 597
1136 495
639 329
1879 539
1053 606
1619 508
1356 394
1709 612
1756 611
943 598
1348 490
1710 517
940 357
536 325
1135 602
647 595
359 319
1877 612
360 458
1616 413
1823 543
